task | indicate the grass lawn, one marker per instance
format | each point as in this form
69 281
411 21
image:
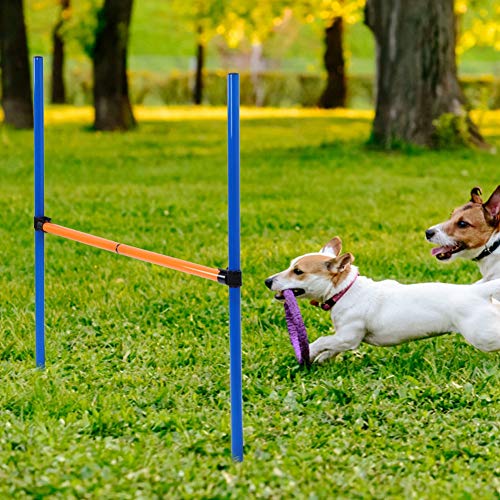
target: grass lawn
134 402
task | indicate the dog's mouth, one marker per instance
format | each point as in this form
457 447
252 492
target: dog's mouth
445 252
296 291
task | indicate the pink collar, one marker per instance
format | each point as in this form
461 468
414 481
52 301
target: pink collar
328 304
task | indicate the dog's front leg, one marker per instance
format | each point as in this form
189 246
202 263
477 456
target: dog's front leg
328 347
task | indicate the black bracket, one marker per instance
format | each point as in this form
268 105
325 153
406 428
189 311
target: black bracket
233 279
38 222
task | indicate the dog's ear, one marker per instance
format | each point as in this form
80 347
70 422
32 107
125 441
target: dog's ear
475 195
492 207
345 261
333 247
341 263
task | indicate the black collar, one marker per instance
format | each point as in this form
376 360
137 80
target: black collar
487 251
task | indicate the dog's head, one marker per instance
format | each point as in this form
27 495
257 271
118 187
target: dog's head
313 275
468 229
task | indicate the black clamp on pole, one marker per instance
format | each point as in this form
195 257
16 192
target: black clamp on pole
38 222
233 279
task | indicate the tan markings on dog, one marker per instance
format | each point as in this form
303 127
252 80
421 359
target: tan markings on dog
316 264
344 261
477 232
337 278
475 195
312 264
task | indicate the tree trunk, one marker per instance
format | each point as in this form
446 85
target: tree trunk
417 74
16 83
200 63
335 93
257 67
111 97
58 88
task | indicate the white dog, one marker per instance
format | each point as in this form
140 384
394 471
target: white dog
386 313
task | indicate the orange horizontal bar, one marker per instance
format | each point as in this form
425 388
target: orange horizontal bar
71 234
133 252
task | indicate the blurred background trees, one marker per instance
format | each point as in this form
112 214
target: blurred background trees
417 79
113 110
333 15
289 52
16 88
201 18
58 91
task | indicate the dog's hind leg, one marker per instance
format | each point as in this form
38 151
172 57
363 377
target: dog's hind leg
489 289
486 335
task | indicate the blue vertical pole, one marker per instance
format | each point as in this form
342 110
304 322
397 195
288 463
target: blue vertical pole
233 164
39 212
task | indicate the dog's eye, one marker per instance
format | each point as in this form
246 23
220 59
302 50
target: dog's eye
298 272
462 224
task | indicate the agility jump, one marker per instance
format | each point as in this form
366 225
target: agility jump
232 276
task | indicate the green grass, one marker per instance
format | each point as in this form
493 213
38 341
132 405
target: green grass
134 402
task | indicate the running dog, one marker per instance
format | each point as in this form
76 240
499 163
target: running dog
472 232
386 313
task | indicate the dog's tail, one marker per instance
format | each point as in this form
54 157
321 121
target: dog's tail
490 289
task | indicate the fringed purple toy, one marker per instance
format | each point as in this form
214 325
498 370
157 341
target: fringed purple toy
296 328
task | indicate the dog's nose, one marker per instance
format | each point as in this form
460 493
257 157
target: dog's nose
430 233
269 283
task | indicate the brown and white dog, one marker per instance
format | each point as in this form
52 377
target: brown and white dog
386 313
472 232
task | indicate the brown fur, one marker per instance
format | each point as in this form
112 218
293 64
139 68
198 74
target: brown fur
477 233
335 244
475 195
336 268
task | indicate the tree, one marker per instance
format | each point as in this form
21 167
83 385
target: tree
255 21
335 93
16 85
113 110
58 87
203 16
333 16
417 85
200 64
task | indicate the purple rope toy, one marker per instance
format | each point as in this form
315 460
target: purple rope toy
296 328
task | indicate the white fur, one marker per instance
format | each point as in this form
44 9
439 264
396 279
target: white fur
490 265
440 237
387 313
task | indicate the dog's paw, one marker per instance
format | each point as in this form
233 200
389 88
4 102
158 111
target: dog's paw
324 356
314 350
323 349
